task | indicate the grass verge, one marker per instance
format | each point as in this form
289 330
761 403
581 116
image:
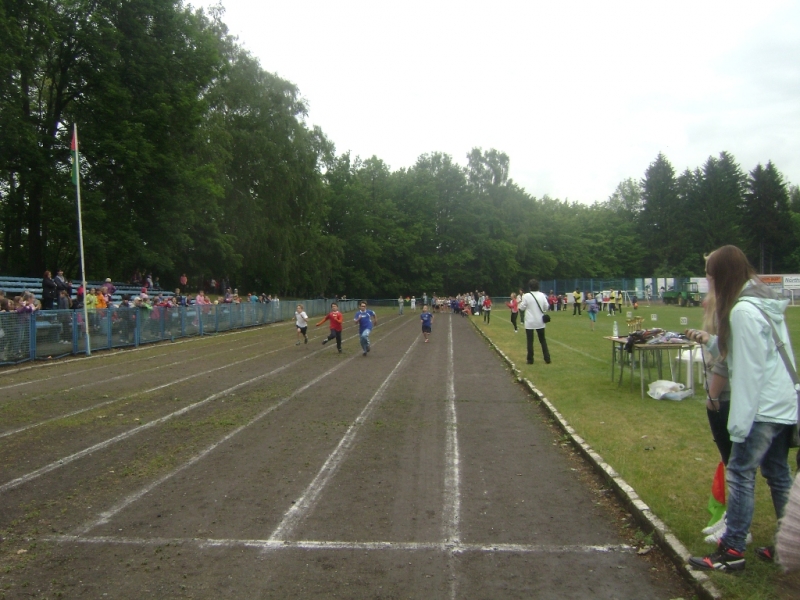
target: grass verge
663 449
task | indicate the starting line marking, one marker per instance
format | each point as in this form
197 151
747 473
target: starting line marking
454 548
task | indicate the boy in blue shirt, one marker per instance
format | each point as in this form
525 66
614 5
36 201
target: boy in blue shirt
427 321
366 319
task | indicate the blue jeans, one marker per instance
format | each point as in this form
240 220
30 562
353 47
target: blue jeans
767 446
364 339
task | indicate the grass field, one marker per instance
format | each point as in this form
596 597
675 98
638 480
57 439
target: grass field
662 448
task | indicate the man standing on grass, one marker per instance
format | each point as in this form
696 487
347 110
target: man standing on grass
366 319
576 302
534 303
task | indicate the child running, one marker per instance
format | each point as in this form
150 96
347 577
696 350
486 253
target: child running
366 319
427 322
514 306
336 318
301 322
591 309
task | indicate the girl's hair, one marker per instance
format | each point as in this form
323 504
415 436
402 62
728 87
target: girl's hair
709 312
731 270
300 306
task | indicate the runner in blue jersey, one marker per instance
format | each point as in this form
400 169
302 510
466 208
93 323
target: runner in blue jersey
427 322
366 319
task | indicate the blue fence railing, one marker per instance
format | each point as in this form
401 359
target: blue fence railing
56 333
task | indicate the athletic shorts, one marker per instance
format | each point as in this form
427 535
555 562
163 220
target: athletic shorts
426 329
302 329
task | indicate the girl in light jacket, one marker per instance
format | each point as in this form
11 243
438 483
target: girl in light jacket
763 404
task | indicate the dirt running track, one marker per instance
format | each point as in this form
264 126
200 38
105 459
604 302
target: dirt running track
243 466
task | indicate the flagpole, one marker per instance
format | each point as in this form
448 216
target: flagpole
77 174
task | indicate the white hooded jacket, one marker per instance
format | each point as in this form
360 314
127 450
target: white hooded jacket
761 387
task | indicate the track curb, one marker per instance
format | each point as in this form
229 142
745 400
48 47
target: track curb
666 540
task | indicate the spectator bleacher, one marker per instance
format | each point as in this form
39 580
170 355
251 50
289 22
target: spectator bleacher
15 286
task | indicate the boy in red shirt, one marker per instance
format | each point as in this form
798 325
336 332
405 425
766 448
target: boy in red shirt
336 318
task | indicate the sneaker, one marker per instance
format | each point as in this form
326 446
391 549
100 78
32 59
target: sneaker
306 340
766 553
325 341
340 350
364 354
426 341
724 559
713 528
298 343
714 538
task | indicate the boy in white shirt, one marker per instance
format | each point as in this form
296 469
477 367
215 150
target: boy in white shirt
301 322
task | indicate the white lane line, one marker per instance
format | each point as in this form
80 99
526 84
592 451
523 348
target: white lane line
307 501
206 543
140 393
101 381
452 478
21 383
107 515
131 432
452 483
181 380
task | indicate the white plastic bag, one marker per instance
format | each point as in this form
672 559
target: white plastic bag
661 388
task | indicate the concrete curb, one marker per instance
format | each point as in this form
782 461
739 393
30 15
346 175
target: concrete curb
646 518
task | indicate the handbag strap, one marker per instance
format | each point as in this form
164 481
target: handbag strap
781 349
537 303
785 356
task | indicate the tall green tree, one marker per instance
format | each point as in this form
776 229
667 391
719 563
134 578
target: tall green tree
663 218
768 218
627 197
718 209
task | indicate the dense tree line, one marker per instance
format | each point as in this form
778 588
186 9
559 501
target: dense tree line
195 159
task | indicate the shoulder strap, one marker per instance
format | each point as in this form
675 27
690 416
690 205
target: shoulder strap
785 356
781 348
537 302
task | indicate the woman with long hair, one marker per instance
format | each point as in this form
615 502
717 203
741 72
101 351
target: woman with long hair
763 405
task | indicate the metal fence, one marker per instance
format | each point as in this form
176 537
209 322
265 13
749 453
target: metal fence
56 333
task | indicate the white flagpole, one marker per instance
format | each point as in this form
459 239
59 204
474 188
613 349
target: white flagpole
80 239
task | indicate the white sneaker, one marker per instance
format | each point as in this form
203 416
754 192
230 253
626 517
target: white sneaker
714 538
721 524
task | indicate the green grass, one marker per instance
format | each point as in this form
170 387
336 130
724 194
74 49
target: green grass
662 448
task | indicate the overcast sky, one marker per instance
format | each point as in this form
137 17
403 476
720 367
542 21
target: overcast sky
580 95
